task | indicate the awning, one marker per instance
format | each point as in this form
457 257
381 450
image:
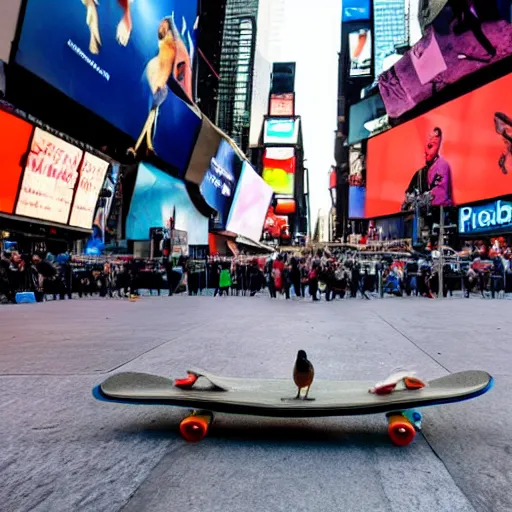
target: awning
251 243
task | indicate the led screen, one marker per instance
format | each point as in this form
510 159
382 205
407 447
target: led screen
219 184
356 202
282 104
14 141
355 10
121 59
360 46
49 178
250 206
90 183
281 131
460 41
367 118
155 196
458 153
279 170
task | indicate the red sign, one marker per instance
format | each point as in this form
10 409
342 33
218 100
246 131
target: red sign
92 177
285 207
282 104
49 178
458 153
14 138
279 170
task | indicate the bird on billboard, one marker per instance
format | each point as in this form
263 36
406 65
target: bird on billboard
170 68
124 27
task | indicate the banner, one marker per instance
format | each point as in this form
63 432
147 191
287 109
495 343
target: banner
360 47
279 170
49 178
92 177
460 41
458 153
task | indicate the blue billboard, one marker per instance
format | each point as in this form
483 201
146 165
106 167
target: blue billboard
127 61
355 10
486 218
356 202
219 183
156 197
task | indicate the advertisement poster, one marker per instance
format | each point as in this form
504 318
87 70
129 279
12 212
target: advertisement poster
154 199
281 131
14 141
356 202
360 46
279 170
250 205
458 153
130 62
282 104
219 183
460 41
90 183
49 178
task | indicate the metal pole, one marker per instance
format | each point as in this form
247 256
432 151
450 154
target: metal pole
441 254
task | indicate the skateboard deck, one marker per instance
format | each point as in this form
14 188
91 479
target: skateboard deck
275 397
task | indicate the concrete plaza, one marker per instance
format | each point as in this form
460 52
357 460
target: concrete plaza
61 450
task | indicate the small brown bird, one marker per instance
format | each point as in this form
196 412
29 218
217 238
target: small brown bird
303 373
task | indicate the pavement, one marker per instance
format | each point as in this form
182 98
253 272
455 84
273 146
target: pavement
61 450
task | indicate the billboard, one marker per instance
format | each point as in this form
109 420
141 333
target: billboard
90 183
355 10
367 118
9 12
219 183
279 170
283 131
250 206
49 178
458 153
14 141
128 62
155 196
460 41
486 218
360 50
282 104
356 202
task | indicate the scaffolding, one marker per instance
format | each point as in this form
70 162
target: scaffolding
236 69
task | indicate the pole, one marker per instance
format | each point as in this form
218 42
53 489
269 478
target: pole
441 253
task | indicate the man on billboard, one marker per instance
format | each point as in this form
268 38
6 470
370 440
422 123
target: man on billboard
503 125
432 184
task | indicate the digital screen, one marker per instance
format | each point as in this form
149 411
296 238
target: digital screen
14 141
49 178
279 170
285 206
356 166
491 217
282 104
360 47
90 183
455 45
281 131
356 202
458 153
155 196
219 183
127 61
250 206
355 10
367 118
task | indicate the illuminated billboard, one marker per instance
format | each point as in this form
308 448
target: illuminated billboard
458 153
282 131
279 170
360 49
129 62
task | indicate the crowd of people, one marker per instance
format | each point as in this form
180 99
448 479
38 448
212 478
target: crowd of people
312 275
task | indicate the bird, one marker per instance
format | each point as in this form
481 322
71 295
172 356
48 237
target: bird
303 373
171 66
123 31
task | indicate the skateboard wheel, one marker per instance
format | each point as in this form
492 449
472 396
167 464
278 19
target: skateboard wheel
194 428
401 431
188 382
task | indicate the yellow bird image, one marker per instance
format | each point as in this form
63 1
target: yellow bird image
123 31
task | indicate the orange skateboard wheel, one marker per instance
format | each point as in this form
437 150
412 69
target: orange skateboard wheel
400 430
194 428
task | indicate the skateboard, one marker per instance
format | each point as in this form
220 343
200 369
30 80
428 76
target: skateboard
205 394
